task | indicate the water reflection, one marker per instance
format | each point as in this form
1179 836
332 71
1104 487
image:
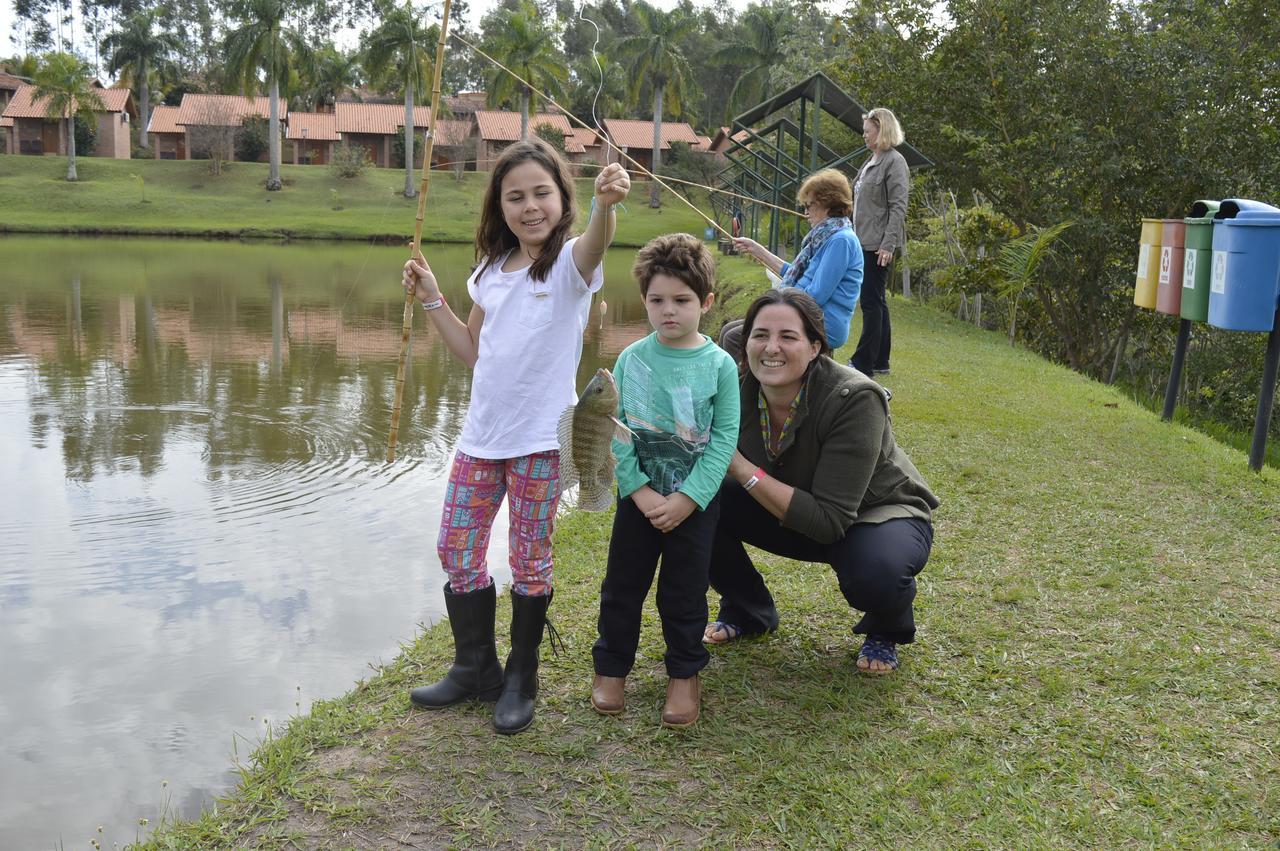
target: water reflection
196 519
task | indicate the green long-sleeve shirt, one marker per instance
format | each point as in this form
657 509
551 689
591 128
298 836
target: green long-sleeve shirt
682 405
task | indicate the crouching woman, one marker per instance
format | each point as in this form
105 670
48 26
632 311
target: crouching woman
818 477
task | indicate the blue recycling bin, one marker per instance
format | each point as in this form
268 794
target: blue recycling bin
1244 284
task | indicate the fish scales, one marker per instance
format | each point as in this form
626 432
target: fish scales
585 433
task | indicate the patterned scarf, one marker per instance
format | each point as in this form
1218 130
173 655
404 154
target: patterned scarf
809 247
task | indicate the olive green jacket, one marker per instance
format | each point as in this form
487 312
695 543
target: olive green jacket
838 454
880 205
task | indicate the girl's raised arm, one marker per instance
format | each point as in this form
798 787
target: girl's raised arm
611 187
463 339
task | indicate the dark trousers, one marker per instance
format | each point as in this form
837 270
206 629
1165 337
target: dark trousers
872 352
875 563
634 550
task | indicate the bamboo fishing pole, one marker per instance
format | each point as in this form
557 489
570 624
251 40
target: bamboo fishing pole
406 326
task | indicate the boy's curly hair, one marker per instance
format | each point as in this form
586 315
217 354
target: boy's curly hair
681 256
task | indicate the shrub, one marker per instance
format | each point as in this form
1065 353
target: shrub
551 136
86 136
397 149
349 160
252 139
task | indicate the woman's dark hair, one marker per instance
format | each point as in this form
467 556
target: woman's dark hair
493 238
815 329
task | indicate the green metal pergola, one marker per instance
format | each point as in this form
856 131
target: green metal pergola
767 160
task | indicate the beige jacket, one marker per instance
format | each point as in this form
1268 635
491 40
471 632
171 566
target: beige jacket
880 203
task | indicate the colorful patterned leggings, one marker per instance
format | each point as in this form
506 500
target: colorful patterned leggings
471 501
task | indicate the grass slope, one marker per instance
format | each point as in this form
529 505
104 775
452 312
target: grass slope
1097 666
167 197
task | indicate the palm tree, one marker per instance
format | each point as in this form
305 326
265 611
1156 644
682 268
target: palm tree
64 81
656 59
133 51
1020 259
398 50
263 42
336 72
759 49
529 48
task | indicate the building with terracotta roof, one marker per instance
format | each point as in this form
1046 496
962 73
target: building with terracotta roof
498 128
635 138
33 132
213 119
168 138
9 85
375 127
313 135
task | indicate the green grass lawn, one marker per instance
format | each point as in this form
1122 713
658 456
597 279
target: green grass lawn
1097 666
167 197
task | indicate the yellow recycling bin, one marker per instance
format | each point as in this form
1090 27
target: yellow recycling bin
1148 279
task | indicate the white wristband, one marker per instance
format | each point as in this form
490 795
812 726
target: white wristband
434 305
751 482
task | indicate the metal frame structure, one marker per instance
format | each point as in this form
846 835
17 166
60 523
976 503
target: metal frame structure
764 167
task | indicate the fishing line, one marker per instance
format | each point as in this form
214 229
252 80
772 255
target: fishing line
595 133
582 16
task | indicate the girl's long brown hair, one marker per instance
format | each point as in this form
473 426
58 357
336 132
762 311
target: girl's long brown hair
494 239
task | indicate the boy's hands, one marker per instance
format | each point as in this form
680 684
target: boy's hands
419 279
612 185
671 513
647 499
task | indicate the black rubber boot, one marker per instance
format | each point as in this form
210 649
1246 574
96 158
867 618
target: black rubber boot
514 711
476 674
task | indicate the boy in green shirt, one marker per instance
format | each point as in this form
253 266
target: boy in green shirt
679 396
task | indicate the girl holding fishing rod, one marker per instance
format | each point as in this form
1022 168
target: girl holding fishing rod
531 295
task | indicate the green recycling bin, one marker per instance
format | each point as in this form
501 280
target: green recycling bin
1197 261
1148 277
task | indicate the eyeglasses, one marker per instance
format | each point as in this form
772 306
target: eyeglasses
804 206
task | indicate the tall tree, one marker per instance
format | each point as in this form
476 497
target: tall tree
757 47
336 72
263 42
400 51
64 81
527 46
657 60
133 51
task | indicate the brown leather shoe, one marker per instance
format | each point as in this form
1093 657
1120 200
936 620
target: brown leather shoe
684 699
607 694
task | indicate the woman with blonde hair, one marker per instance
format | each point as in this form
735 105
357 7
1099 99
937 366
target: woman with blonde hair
829 264
880 214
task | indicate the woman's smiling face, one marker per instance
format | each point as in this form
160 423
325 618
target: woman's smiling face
778 352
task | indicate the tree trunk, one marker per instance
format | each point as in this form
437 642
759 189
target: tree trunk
71 148
1121 344
273 137
524 113
657 141
144 104
408 141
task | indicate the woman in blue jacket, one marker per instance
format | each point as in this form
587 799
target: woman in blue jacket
829 264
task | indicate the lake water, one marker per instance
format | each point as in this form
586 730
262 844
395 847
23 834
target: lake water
199 534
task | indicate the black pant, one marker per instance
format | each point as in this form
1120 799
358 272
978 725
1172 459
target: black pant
872 352
876 564
682 590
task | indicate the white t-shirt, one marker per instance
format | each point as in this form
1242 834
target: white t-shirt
530 345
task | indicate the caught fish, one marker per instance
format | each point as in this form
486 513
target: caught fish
586 431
